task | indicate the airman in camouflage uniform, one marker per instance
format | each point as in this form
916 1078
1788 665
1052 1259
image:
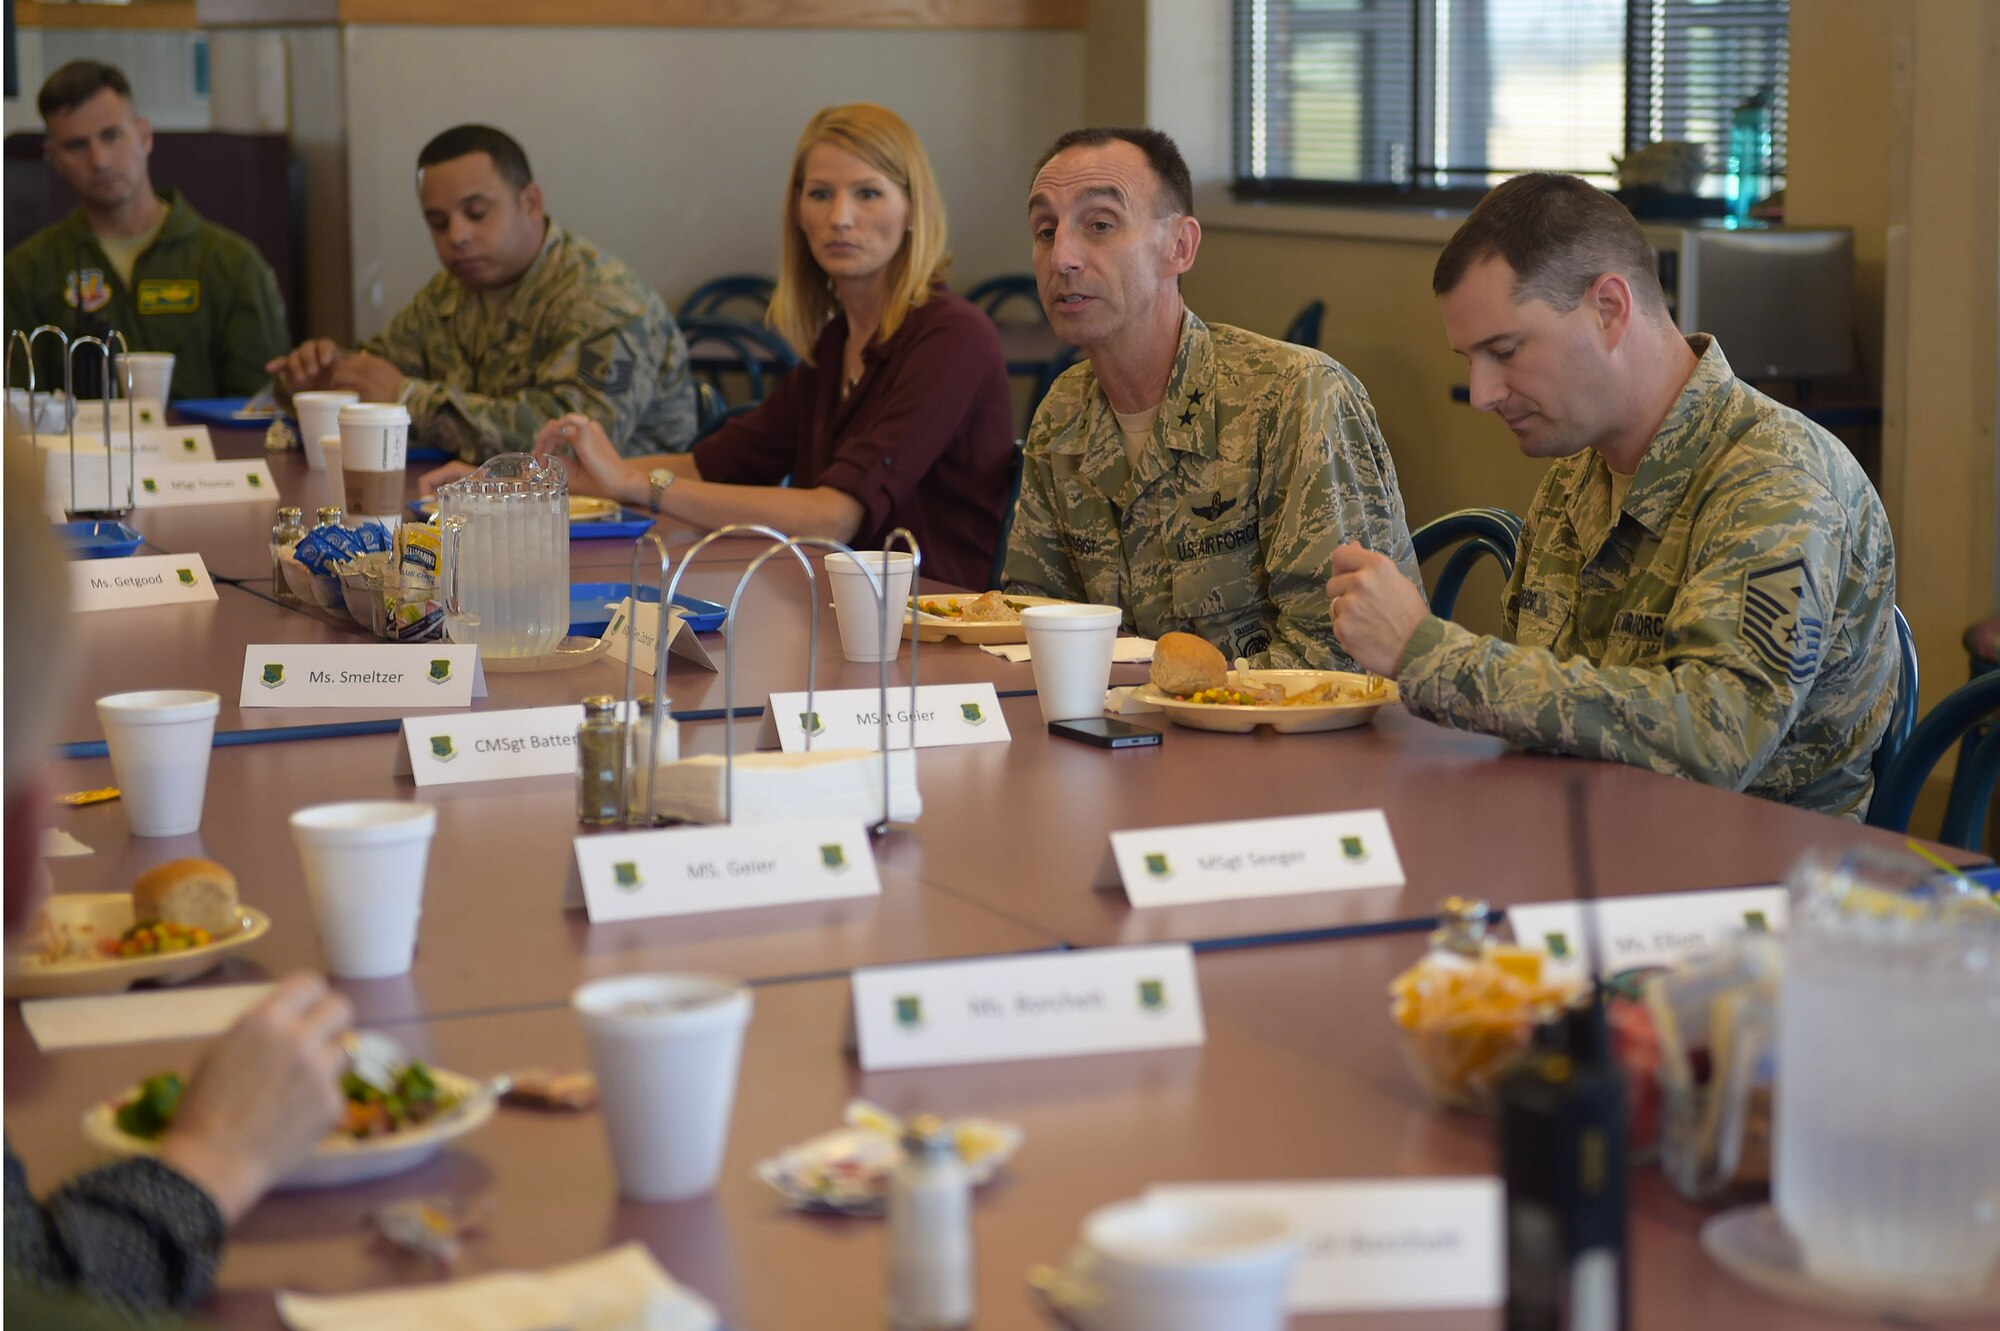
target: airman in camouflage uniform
579 333
1734 625
1264 458
1705 584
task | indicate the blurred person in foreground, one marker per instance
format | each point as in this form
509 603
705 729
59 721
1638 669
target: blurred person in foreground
144 1234
527 320
899 412
1195 475
1705 585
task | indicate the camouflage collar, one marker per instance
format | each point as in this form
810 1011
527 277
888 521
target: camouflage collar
1669 463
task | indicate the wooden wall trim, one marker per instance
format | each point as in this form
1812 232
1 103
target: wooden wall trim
648 13
161 15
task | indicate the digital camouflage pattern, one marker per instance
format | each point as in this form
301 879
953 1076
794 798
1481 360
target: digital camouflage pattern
1735 627
579 333
1264 458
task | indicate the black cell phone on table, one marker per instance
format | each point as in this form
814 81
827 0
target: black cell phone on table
1106 732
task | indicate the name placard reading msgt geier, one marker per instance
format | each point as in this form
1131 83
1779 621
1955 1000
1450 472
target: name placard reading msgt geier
384 675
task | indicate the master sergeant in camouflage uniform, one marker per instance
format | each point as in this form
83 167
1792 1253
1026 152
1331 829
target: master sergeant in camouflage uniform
528 322
1703 588
1221 516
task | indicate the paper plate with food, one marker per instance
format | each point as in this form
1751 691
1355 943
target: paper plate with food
1195 687
395 1118
178 921
847 1170
984 619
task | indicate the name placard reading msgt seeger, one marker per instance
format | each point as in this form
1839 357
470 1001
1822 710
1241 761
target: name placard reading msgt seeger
1658 930
1056 1005
123 584
489 746
1256 857
382 675
694 870
189 483
946 714
1379 1244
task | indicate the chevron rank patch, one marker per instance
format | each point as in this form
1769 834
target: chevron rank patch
1784 619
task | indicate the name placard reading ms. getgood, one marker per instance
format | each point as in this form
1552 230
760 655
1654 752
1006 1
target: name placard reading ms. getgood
386 675
122 584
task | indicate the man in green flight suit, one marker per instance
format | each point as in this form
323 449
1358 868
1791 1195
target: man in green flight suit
1198 477
528 321
140 262
1705 585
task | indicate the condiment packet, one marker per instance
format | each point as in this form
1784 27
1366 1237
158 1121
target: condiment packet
79 798
431 1227
540 1089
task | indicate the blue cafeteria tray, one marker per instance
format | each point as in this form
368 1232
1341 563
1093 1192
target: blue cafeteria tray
628 523
98 540
590 606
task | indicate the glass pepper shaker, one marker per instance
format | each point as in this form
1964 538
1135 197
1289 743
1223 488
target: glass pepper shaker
600 744
289 531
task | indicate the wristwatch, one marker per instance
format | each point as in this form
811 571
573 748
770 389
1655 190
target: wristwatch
660 478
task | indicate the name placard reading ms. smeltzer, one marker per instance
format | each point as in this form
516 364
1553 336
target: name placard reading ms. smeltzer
385 675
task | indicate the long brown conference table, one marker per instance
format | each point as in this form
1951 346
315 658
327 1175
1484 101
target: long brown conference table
1298 1079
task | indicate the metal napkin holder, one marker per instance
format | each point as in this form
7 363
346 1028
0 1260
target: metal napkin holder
779 544
111 508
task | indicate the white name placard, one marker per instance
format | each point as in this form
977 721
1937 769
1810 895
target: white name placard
1256 857
489 746
432 674
694 870
682 643
946 714
1054 1005
1647 931
183 444
205 483
1381 1244
144 412
121 584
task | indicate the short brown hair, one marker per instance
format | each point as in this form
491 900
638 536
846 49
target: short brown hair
78 82
1559 234
1162 154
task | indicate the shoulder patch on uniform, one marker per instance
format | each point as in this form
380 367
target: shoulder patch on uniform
1784 621
605 364
180 295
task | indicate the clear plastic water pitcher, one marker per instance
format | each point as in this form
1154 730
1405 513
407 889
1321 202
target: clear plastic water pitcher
505 579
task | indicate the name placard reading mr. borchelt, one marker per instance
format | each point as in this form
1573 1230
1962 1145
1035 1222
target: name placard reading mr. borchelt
384 675
124 584
1099 1000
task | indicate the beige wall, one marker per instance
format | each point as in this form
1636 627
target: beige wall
669 147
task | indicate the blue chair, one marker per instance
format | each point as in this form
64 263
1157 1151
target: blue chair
999 568
718 346
1903 713
1051 371
1305 328
996 293
1967 715
717 296
1476 532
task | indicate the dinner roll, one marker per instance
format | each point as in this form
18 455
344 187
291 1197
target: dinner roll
1184 664
200 894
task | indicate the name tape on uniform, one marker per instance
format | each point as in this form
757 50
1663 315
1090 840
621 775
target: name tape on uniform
1657 930
381 675
1054 1005
489 746
124 584
695 870
946 714
1379 1245
1256 857
683 642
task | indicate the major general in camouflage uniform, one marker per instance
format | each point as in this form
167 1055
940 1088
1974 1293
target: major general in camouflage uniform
1197 477
528 321
1706 582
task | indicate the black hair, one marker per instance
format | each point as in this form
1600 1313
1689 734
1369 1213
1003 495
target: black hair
1169 167
464 140
78 82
